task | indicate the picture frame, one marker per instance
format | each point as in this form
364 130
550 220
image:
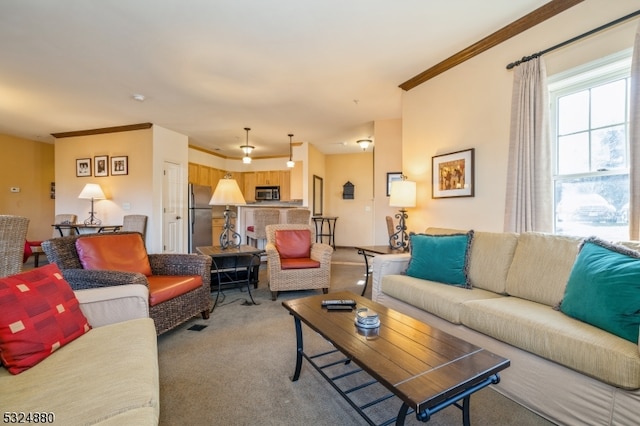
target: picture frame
453 174
120 165
101 165
391 177
317 195
83 167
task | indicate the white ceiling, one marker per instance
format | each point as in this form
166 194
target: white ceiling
322 70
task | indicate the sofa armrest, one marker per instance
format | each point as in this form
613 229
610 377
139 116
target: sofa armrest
388 264
180 264
80 279
109 305
273 257
322 253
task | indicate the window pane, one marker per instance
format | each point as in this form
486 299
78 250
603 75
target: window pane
593 206
573 154
609 148
573 113
608 104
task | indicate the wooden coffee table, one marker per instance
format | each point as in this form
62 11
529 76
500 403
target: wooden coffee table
426 368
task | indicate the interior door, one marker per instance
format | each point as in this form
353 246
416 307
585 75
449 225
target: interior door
172 207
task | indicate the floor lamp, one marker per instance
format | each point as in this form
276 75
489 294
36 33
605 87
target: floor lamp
403 195
92 191
227 193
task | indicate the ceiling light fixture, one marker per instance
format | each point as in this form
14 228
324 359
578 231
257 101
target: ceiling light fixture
290 163
138 97
364 143
246 148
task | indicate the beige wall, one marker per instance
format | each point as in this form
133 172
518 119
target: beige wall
133 188
388 159
469 107
355 217
27 165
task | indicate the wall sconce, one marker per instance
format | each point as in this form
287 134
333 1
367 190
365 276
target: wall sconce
92 191
403 195
364 143
290 163
246 148
227 193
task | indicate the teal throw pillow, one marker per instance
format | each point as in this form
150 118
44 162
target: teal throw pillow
441 258
604 288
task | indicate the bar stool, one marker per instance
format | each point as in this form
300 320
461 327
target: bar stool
298 216
261 218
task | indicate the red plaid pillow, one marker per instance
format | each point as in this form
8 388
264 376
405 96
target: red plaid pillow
39 313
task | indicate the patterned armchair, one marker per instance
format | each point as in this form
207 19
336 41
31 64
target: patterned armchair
172 306
295 261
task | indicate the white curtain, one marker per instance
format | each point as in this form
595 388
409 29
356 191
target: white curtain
529 202
634 143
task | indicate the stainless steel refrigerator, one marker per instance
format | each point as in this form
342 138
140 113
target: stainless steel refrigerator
199 217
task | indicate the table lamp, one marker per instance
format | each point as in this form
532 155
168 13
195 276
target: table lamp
403 195
227 193
92 191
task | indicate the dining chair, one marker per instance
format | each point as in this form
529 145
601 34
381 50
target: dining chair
135 223
299 216
13 234
34 248
261 218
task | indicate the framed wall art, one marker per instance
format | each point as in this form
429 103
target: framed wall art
119 165
83 167
453 174
101 165
390 178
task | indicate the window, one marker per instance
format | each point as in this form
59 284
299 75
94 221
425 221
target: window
590 121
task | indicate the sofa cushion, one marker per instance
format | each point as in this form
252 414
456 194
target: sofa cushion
442 258
299 263
293 243
604 288
490 257
106 373
39 314
541 266
117 252
445 301
167 287
548 333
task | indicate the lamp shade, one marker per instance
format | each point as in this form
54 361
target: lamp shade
227 193
92 191
403 194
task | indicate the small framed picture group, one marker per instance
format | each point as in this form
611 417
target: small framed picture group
101 166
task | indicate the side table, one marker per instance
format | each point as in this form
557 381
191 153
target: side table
319 222
372 251
233 267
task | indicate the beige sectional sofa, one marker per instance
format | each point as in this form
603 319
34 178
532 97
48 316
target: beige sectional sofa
563 369
108 376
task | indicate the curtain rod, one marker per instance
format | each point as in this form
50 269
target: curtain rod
564 43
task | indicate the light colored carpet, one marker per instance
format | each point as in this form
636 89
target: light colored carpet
236 370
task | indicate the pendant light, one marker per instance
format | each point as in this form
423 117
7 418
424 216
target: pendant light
290 163
246 148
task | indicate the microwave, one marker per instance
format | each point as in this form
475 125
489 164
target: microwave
267 193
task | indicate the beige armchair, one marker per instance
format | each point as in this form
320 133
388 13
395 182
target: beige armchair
295 261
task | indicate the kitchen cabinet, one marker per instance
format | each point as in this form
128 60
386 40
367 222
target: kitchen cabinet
217 223
249 186
281 178
268 178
